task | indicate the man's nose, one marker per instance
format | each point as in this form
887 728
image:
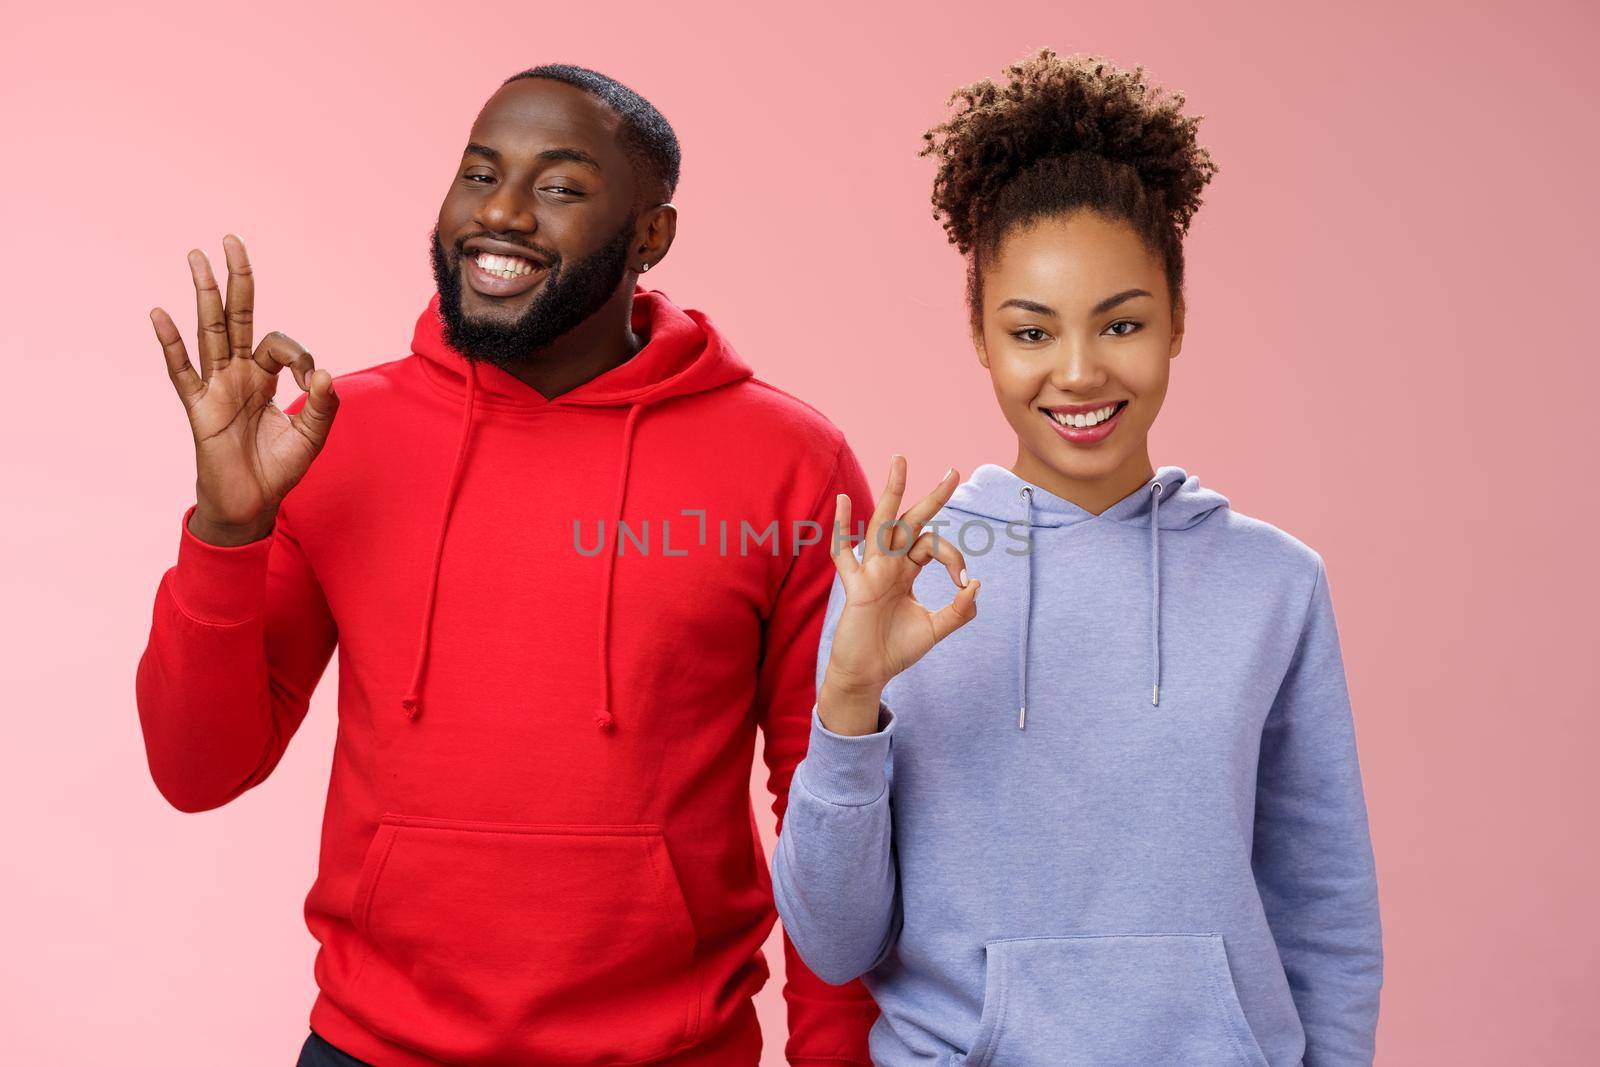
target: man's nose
507 209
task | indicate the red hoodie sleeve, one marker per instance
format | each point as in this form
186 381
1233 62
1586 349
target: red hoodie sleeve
238 639
827 1024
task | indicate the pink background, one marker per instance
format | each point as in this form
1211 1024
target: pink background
1390 355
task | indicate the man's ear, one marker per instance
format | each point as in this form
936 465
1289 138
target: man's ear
1177 329
653 235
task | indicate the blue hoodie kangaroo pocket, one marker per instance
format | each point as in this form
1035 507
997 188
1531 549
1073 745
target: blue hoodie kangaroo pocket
1111 1000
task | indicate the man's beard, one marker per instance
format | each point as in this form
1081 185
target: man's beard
568 296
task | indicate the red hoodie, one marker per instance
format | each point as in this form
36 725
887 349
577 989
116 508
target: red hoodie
539 845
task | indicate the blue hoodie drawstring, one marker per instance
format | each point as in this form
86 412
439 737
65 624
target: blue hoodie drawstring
1027 608
1155 601
1155 594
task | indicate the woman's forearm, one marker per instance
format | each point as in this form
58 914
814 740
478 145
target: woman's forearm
833 870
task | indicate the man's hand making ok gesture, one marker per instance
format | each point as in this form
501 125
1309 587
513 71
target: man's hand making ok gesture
248 453
882 629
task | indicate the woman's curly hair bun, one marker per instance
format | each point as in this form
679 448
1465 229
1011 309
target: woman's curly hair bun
1065 133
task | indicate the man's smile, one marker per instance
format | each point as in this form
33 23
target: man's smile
498 276
498 269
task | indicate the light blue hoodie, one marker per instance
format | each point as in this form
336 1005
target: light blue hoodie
1117 819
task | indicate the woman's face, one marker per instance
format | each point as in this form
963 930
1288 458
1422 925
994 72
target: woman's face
1077 320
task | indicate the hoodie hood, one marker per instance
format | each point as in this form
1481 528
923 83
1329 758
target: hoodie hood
1171 500
684 355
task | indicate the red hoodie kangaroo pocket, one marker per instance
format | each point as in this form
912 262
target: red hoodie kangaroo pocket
518 943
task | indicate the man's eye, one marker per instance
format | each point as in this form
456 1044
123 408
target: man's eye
1116 330
564 190
1030 334
478 177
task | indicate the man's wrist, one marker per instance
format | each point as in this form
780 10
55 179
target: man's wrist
227 535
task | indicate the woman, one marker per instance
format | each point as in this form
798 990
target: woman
1117 818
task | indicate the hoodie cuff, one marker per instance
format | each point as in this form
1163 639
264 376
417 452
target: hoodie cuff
217 584
849 771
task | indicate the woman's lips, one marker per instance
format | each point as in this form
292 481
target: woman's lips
1087 435
496 284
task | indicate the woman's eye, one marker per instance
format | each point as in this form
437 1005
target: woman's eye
1030 334
1116 328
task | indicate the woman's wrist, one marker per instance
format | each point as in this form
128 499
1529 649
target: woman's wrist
849 710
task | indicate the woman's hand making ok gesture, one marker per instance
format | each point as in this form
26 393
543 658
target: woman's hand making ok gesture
883 629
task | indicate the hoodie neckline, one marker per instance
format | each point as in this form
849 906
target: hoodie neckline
994 492
684 354
1171 499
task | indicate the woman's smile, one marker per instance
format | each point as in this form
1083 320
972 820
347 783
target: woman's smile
1085 426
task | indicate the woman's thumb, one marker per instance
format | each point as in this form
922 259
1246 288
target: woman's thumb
956 614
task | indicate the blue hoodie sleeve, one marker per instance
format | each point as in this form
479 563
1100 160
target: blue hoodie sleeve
1313 855
833 870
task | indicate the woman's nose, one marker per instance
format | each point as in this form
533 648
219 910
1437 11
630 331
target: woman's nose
1076 369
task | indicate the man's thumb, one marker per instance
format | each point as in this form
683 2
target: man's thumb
316 416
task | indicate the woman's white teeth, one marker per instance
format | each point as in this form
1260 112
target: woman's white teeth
505 266
1086 419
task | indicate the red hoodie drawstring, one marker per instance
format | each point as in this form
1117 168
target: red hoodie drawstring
604 718
684 355
412 701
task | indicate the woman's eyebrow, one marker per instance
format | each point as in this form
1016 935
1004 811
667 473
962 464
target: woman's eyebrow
1099 309
1028 305
1112 301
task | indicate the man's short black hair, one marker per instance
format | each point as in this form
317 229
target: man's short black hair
645 135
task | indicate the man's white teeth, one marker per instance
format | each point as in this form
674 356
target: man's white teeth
1085 420
505 266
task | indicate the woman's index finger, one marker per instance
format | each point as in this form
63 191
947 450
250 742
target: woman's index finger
925 509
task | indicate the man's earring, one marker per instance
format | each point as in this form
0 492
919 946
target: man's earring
644 268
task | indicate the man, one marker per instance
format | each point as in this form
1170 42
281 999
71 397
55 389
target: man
539 845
